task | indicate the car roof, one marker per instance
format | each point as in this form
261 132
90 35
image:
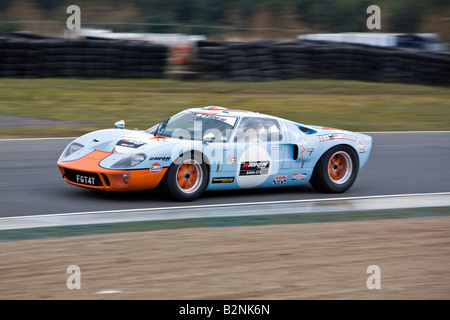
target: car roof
216 110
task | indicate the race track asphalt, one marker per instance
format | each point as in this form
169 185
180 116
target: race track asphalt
31 184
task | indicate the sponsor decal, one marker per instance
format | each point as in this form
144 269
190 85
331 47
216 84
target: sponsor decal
155 168
130 143
362 147
279 179
223 180
310 150
206 114
254 168
159 158
335 136
230 160
299 176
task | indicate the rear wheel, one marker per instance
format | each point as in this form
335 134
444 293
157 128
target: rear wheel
336 171
186 178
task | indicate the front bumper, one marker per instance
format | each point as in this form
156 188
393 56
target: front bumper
87 173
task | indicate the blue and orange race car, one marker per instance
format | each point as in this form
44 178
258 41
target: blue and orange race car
215 148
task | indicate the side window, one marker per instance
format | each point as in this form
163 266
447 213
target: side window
258 130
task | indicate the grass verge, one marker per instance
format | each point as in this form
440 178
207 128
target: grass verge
352 105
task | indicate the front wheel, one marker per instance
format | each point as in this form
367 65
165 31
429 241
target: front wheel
186 178
336 171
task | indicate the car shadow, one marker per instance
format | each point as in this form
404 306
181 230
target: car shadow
157 195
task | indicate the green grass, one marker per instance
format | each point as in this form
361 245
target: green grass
352 105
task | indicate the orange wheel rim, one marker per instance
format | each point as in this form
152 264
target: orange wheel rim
340 167
336 167
188 176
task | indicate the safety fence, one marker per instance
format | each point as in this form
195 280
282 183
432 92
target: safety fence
84 58
273 60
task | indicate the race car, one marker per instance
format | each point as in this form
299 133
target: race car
215 148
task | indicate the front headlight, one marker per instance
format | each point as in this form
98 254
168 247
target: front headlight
130 161
71 148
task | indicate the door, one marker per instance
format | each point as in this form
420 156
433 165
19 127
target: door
256 153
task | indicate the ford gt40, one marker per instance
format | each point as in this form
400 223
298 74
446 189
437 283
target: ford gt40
215 148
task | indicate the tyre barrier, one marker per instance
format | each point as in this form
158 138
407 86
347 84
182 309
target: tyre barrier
275 60
81 58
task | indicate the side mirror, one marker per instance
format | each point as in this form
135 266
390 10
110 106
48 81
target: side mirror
209 137
120 124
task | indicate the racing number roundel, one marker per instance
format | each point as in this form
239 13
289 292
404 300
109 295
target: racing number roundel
254 166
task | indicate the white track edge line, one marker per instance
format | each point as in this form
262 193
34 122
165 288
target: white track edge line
227 205
34 139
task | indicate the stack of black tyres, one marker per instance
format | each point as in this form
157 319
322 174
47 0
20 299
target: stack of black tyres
211 60
142 59
238 61
275 60
286 58
19 58
81 58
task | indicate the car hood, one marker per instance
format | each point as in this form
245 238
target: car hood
122 142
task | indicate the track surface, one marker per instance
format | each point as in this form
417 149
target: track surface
31 184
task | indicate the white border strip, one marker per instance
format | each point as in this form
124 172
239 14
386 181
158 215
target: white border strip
406 132
34 139
221 205
370 132
307 206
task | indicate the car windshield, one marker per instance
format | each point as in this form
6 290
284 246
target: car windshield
194 125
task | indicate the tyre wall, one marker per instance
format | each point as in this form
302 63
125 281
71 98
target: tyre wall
81 58
274 60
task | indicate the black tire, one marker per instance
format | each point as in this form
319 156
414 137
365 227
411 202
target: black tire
333 176
182 171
